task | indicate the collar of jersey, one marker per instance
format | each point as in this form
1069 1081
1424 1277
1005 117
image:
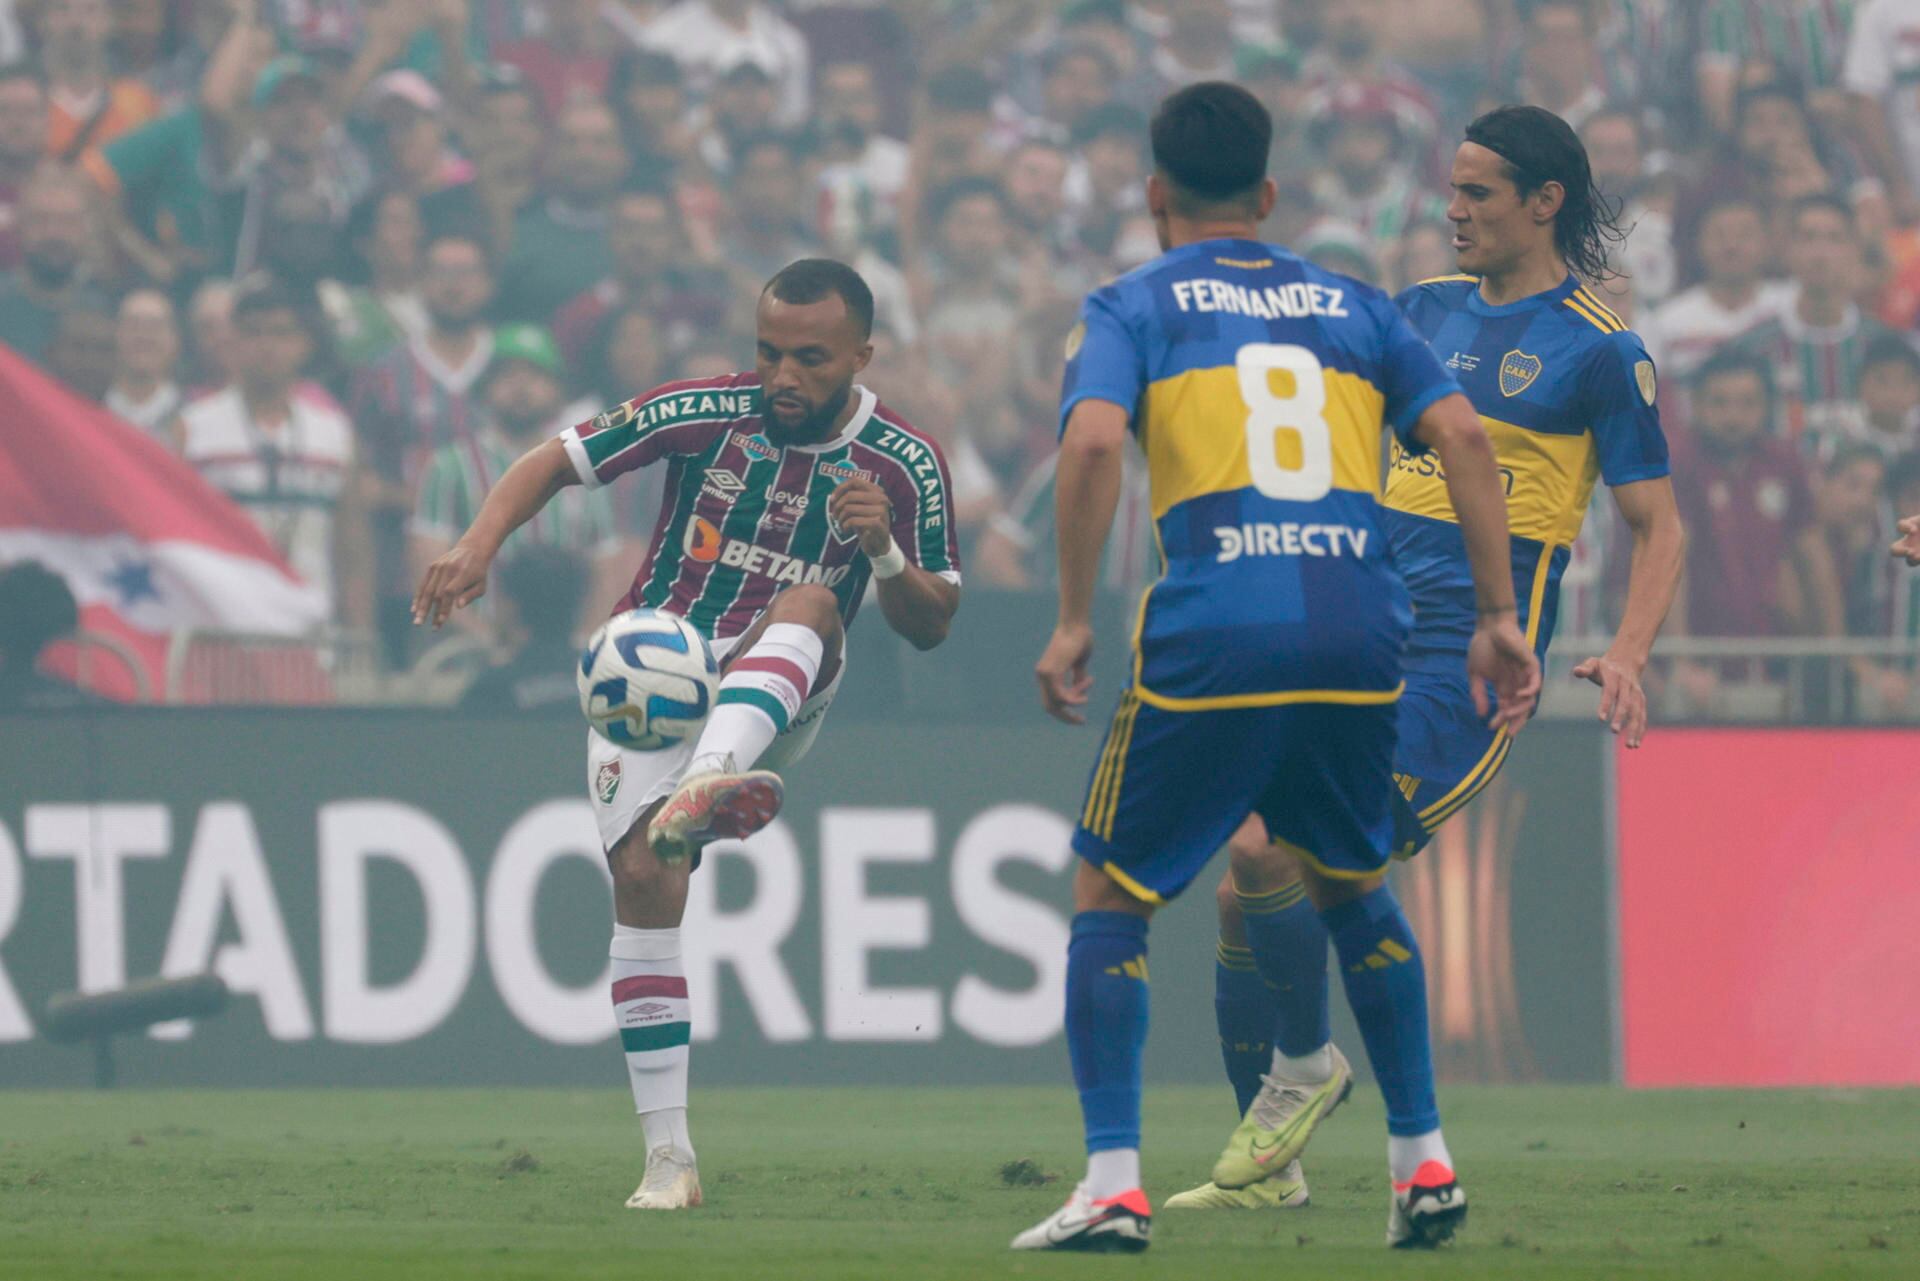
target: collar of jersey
1481 307
855 425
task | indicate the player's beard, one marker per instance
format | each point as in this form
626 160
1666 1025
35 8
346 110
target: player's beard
815 426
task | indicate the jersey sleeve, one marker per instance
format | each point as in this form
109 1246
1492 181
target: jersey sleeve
923 517
1105 360
669 420
1619 393
1411 377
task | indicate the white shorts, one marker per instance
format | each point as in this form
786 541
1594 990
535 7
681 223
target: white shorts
623 783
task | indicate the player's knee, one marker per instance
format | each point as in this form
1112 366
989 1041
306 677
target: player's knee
636 870
811 606
1227 904
1262 866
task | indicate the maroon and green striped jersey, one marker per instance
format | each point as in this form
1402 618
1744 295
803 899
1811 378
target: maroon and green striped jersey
744 517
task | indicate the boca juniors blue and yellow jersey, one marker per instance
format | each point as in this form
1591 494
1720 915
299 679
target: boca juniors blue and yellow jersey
1257 385
1566 392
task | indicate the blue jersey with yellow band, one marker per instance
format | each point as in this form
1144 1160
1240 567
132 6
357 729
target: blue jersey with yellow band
1566 392
1257 385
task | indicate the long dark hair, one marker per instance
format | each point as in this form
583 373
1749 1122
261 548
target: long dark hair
1539 147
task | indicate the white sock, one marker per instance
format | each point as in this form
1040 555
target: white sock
1308 1069
1112 1172
668 1128
759 697
1406 1155
650 1010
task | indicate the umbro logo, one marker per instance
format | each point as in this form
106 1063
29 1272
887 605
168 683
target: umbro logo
722 484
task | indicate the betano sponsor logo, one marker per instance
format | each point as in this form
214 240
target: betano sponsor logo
1289 538
703 542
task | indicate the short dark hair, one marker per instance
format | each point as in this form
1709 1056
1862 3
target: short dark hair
546 585
1731 360
1855 451
1539 147
261 292
812 279
36 607
1210 142
964 189
1891 349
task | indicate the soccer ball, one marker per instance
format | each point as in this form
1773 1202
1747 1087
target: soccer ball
646 680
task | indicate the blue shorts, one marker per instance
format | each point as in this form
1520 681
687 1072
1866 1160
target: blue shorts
1169 788
1446 756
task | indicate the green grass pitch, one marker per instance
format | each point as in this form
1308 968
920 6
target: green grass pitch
910 1183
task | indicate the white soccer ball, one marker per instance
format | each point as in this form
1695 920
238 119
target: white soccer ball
647 680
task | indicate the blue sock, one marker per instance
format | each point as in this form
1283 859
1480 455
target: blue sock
1243 1010
1290 946
1387 988
1107 1023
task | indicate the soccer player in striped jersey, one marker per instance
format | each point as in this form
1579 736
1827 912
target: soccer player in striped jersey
789 489
1566 393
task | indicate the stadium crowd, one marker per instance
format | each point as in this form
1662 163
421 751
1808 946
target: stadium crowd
349 257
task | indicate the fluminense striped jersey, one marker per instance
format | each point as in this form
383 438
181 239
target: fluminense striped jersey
743 517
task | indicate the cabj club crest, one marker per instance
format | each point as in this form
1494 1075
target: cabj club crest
1517 372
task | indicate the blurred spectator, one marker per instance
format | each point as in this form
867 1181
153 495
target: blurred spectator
652 271
23 144
1424 252
541 592
287 460
525 397
1755 560
1340 246
1198 44
415 155
56 230
1890 396
1732 249
1272 74
382 307
1368 181
1105 184
1850 501
1349 48
710 37
146 356
569 61
36 609
210 328
81 351
1799 40
87 104
952 139
623 360
650 95
560 240
1016 549
1077 78
742 106
1883 56
504 137
765 229
1560 65
1818 339
864 169
1616 142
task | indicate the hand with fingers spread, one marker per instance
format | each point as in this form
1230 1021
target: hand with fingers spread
1062 672
1623 702
1500 656
452 582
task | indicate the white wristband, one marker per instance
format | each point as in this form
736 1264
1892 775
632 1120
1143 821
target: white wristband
890 563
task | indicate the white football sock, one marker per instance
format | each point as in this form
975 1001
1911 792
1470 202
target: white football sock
1308 1069
1405 1155
666 1127
759 697
650 1009
1112 1172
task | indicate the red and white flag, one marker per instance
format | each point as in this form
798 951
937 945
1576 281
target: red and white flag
146 545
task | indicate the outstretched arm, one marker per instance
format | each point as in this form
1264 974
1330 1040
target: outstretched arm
1659 551
1499 653
459 578
918 604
